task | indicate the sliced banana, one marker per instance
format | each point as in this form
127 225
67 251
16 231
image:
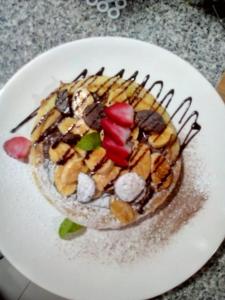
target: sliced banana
162 139
95 157
71 170
66 124
173 151
59 152
144 103
62 187
143 167
102 180
117 95
81 99
161 175
36 155
106 168
45 124
122 211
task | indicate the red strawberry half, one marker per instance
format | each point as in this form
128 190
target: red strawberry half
118 160
116 132
111 146
121 113
18 148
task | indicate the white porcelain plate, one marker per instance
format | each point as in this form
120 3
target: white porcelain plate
145 260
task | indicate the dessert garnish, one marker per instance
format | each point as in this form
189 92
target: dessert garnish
104 150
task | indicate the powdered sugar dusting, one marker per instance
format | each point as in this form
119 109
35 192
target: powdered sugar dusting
144 239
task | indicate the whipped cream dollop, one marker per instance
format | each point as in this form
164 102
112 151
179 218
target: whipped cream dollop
85 188
129 186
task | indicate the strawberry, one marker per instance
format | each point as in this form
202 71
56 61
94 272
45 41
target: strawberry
116 132
121 113
18 148
111 146
118 160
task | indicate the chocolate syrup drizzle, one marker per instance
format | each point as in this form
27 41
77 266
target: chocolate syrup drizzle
138 94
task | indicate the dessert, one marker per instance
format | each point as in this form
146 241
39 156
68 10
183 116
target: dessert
104 151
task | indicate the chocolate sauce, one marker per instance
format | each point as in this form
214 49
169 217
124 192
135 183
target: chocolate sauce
51 137
138 90
43 119
67 155
63 102
27 119
144 200
142 136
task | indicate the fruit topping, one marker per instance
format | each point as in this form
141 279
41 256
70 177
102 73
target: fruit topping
95 157
122 211
80 100
161 171
93 114
162 139
65 177
89 141
150 121
85 188
18 147
60 153
121 113
120 161
63 102
68 227
142 166
122 151
116 132
128 186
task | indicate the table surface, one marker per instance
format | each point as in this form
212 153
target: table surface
28 28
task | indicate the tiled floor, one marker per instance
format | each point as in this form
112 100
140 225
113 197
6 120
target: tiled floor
14 286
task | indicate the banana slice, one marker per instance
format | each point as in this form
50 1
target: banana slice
106 168
95 157
72 169
46 106
102 180
162 139
81 99
143 167
45 124
66 125
59 152
122 211
144 103
36 155
161 171
62 187
173 151
117 95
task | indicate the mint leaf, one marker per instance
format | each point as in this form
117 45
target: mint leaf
68 227
89 141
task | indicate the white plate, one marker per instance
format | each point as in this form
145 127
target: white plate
112 265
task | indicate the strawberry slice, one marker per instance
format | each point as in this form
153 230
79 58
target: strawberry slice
116 132
121 113
118 160
111 146
18 148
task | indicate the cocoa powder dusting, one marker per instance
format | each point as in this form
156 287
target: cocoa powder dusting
146 238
